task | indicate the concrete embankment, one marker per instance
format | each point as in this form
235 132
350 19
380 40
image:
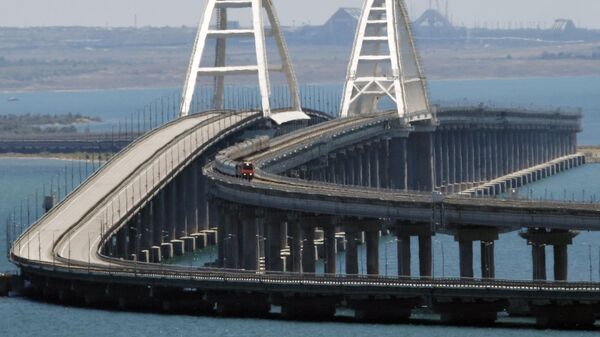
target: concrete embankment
591 153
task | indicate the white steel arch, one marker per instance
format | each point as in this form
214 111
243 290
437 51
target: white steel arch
385 63
221 32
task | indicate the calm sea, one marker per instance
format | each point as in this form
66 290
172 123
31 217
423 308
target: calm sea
20 179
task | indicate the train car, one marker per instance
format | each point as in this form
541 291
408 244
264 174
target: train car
230 161
246 170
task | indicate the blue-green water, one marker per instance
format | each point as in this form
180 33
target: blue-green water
19 178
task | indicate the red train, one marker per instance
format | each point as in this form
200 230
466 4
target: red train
246 170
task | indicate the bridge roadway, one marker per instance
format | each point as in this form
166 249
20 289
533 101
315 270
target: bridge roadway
73 231
66 244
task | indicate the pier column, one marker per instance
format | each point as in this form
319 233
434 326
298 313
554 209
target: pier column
404 255
296 242
404 231
538 252
465 254
308 247
158 214
425 256
274 223
465 237
398 163
181 205
341 171
372 238
446 158
488 268
374 159
203 202
438 161
538 239
351 231
366 166
146 228
250 239
231 236
171 212
350 167
330 249
384 163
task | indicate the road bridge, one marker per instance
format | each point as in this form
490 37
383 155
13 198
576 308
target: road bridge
414 171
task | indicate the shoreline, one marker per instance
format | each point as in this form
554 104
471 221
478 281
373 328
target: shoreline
169 87
79 156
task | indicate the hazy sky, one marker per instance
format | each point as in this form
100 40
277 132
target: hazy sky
187 12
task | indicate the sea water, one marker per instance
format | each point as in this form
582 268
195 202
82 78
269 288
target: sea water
20 178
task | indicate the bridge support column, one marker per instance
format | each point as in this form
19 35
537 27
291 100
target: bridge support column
146 228
274 221
192 194
308 248
330 249
351 249
465 238
231 239
538 239
181 200
404 255
158 215
366 166
250 239
404 231
425 256
331 168
341 172
374 161
465 254
372 238
398 163
384 163
171 195
122 243
203 202
488 268
296 244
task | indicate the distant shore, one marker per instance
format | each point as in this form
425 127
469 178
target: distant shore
57 156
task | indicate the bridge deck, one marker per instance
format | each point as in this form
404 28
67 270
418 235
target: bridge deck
72 232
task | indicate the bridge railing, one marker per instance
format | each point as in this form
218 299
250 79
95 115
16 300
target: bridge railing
146 271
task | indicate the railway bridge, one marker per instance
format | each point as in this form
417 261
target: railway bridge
412 171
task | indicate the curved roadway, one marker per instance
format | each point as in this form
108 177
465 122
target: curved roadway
66 242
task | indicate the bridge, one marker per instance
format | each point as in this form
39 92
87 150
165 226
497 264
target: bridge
413 170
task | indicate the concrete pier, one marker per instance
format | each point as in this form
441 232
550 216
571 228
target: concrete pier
465 236
538 239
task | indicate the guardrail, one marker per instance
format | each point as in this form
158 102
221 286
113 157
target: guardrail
149 271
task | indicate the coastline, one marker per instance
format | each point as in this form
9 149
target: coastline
167 86
78 156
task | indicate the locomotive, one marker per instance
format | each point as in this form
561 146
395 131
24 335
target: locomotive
245 170
230 161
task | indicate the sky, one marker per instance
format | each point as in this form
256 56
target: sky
529 13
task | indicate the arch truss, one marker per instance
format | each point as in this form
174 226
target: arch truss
261 12
385 64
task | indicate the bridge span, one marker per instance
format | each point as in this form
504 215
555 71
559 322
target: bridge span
413 172
152 201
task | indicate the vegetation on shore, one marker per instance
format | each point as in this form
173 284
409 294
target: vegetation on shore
43 123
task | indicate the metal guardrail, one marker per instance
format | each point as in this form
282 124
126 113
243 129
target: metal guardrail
149 271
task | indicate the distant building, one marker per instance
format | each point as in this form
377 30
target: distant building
564 26
344 20
432 19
